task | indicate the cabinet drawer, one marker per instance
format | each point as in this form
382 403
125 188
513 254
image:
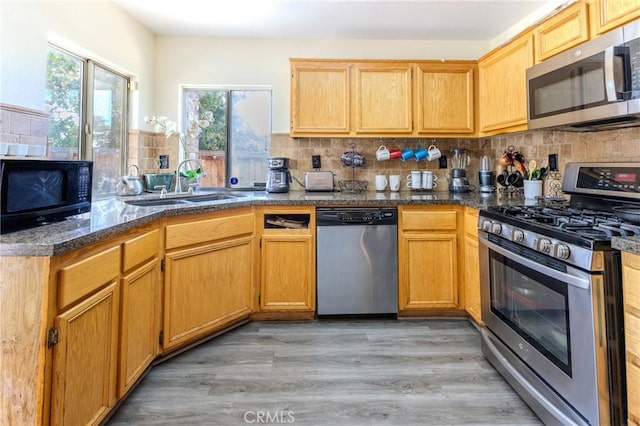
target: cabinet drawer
82 278
203 231
428 220
139 249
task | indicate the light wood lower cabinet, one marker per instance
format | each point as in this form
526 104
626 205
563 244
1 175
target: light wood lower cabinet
428 258
472 265
287 266
85 357
209 274
631 296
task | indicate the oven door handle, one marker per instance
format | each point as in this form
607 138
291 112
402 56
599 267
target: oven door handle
558 275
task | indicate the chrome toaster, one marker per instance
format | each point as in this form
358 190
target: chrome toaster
318 181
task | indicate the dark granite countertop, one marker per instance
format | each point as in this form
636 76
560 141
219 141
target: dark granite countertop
112 216
629 244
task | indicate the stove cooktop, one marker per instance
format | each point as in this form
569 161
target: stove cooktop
584 227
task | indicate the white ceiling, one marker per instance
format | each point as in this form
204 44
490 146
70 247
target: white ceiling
477 20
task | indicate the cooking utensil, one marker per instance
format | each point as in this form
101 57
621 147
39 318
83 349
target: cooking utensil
532 168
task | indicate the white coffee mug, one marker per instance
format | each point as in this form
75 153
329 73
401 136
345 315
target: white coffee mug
383 153
429 180
381 182
414 179
433 153
394 183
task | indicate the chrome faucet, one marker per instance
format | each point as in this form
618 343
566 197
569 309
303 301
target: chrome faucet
178 189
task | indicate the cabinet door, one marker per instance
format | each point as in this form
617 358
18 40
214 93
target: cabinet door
445 98
319 98
138 330
428 271
383 98
472 278
609 14
503 86
631 297
472 265
288 273
562 31
85 359
206 288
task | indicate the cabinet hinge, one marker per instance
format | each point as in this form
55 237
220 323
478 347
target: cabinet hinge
162 265
52 337
161 338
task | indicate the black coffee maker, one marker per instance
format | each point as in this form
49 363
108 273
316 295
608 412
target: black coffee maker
278 177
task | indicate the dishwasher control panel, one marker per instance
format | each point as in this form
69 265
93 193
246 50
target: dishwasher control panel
371 216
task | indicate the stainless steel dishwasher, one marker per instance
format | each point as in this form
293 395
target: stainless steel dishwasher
357 261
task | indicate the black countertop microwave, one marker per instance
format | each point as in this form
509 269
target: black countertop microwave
593 86
34 192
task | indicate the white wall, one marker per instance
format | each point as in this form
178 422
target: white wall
98 29
203 60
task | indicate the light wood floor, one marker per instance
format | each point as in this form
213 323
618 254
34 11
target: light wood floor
356 372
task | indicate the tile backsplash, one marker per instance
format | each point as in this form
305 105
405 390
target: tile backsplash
23 125
613 145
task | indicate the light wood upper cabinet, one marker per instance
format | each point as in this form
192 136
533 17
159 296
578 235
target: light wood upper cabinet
320 98
445 98
382 98
562 31
287 267
503 86
378 98
631 296
609 14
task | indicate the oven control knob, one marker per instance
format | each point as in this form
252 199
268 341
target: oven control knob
485 225
496 228
517 235
543 245
561 251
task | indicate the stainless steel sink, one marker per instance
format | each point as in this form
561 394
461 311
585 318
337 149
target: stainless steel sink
183 199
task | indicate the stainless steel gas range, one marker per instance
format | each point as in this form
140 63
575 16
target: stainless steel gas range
552 295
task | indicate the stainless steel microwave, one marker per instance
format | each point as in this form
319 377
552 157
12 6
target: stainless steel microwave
594 86
34 192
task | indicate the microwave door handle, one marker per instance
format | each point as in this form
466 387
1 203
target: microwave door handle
617 73
610 75
550 272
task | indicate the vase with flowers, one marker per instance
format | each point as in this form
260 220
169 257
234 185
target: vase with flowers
187 176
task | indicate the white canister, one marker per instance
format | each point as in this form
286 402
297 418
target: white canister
532 189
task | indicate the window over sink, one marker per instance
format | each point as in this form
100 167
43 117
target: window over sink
234 147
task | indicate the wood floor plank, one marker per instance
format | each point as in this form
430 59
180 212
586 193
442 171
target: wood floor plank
355 372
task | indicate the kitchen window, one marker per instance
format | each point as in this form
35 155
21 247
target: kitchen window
87 106
234 147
